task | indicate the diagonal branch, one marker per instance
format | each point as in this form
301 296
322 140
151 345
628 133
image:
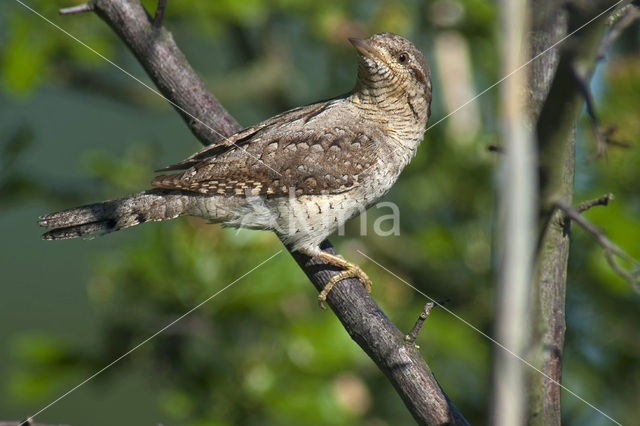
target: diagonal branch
169 70
401 362
611 249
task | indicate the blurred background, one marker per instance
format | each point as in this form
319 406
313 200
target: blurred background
73 129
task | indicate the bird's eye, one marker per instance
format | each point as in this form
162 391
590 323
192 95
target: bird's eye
402 57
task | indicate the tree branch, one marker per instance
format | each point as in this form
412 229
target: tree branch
603 136
602 201
413 333
159 55
76 9
611 249
401 362
385 344
618 22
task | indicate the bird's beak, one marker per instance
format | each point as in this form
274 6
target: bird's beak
365 49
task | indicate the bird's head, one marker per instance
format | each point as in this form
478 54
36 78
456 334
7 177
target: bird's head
390 67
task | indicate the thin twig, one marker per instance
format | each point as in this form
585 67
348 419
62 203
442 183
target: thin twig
602 201
413 334
618 21
604 136
607 244
76 9
157 20
585 90
610 248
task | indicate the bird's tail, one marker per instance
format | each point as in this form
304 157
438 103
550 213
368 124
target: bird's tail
110 216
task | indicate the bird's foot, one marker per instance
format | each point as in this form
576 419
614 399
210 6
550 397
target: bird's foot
351 271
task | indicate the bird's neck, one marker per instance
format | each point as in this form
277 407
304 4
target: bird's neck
403 113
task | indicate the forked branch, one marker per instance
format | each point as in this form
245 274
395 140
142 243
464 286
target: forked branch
611 250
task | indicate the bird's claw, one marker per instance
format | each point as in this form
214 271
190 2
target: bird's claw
351 271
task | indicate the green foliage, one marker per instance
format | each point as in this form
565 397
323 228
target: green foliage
46 362
24 57
31 58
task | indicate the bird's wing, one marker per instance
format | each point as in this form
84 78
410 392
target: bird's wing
292 152
243 137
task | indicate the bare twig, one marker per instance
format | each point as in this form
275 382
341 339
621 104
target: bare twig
610 248
602 201
585 90
575 216
87 7
157 20
413 333
610 141
603 136
618 22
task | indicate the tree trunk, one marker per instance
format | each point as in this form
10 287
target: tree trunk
555 104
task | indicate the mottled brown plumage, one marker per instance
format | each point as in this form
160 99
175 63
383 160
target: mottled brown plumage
277 158
301 173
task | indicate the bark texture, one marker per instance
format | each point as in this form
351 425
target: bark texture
555 104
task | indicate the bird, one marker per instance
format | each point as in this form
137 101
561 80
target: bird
301 173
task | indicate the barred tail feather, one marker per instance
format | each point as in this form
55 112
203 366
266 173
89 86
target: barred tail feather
109 216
